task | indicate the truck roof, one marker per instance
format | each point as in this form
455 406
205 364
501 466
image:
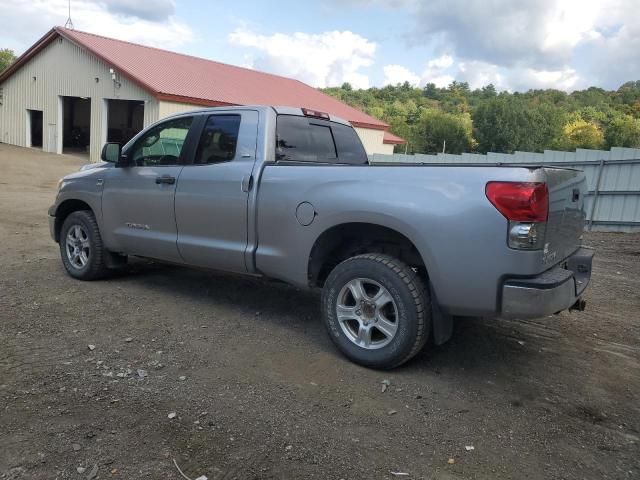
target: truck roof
280 110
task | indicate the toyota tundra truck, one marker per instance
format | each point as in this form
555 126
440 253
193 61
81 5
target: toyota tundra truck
397 250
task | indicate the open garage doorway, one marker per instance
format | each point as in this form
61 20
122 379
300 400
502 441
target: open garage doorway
125 118
34 127
76 125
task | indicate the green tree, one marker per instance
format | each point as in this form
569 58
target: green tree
431 91
623 131
581 133
508 123
503 121
7 57
435 128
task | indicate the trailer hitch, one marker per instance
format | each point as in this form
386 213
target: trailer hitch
580 305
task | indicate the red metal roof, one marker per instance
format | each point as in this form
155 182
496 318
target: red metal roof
393 139
186 79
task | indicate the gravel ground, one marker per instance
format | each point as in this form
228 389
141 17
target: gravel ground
256 389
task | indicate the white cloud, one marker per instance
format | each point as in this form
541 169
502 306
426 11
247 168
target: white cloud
444 69
395 74
321 60
522 44
438 71
479 74
24 21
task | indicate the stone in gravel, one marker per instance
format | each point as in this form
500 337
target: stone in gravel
392 412
128 339
288 447
451 461
76 447
93 473
142 373
182 378
385 384
468 448
92 347
81 470
172 415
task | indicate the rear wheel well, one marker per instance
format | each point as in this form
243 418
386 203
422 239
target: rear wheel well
347 240
65 209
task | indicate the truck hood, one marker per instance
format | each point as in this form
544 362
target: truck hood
91 166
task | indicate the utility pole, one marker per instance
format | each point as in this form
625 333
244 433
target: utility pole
444 145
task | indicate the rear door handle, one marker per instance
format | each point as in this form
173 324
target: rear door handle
247 183
166 179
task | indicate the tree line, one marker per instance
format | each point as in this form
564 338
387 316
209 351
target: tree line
485 120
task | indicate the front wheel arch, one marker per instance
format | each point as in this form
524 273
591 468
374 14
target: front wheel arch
65 209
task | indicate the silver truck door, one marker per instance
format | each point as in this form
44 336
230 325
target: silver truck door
138 200
212 195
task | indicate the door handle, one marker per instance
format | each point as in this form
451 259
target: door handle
247 183
165 179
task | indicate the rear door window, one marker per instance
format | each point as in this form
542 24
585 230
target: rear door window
303 139
219 140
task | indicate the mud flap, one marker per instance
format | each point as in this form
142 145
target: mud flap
442 322
114 260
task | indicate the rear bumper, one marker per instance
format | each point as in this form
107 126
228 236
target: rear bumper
550 292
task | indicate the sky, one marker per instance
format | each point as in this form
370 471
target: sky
516 45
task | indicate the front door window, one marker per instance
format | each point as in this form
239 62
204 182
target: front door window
162 144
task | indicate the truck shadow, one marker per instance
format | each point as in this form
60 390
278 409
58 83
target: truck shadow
477 344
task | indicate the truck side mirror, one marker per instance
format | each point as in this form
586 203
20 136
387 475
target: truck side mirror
111 152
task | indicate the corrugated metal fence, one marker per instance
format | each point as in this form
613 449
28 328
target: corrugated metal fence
613 178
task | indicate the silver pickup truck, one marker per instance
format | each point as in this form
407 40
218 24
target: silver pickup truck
288 193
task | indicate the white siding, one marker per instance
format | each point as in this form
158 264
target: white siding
372 140
64 69
386 149
169 108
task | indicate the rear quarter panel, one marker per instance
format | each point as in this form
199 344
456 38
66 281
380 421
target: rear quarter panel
442 210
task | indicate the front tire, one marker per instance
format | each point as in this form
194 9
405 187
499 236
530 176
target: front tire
81 249
377 310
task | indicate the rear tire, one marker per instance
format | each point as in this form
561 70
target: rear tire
81 248
377 310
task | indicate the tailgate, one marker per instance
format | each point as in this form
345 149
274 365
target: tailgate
567 189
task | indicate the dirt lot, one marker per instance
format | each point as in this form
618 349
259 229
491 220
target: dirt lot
259 391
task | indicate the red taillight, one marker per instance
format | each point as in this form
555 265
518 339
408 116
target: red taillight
315 113
520 202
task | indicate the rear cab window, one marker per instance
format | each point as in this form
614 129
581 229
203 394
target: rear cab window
304 139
